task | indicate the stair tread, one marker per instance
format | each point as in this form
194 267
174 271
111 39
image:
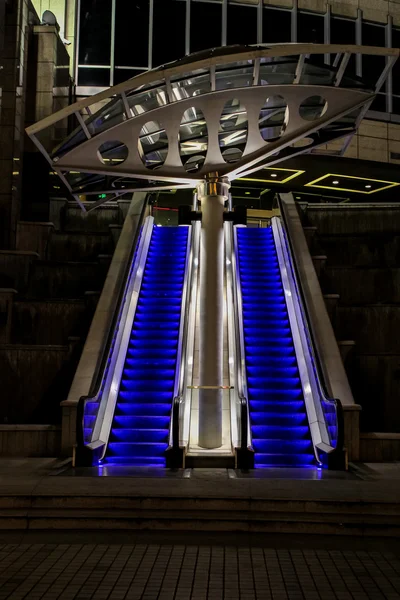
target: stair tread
278 417
142 415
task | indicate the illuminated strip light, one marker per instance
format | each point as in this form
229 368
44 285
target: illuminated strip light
294 173
342 189
164 208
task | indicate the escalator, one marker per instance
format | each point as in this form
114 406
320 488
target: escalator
284 415
279 425
129 420
140 428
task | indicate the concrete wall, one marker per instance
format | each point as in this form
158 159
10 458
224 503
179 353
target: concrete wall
47 302
65 12
375 140
30 440
362 266
13 84
34 82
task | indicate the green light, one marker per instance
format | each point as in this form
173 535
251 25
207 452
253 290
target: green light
101 196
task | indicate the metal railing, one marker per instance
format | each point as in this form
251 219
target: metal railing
319 406
92 447
332 448
180 413
240 418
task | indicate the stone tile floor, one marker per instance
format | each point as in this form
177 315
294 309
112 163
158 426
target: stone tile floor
184 571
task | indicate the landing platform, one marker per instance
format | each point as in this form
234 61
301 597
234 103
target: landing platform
51 495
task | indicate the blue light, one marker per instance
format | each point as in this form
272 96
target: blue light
280 432
140 429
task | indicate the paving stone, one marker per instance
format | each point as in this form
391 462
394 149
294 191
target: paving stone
167 572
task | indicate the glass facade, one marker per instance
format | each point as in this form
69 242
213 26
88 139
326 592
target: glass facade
120 39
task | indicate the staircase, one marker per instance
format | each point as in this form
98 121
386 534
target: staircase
139 435
279 425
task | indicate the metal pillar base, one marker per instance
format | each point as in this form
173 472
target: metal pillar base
212 193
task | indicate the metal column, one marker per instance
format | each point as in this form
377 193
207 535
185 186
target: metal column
212 193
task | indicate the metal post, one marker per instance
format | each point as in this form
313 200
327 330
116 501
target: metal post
150 46
359 41
389 81
187 27
260 21
112 52
327 32
294 22
224 21
212 193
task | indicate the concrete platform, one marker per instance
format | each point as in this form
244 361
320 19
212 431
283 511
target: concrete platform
45 495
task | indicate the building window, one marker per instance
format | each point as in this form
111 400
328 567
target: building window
94 77
276 26
372 66
343 31
242 25
310 28
95 32
169 31
201 13
396 73
132 33
121 75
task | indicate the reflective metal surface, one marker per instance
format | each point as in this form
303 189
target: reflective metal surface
230 110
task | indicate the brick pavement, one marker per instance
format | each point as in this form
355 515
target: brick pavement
189 572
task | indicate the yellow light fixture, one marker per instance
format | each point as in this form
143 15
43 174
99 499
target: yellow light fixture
344 178
292 173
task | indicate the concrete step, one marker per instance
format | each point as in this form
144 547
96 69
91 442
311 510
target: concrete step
319 262
348 219
34 236
15 267
375 327
7 297
79 246
331 303
57 279
50 321
345 348
33 382
97 221
343 507
369 250
375 382
362 285
309 232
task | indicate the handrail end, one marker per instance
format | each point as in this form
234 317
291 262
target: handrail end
175 457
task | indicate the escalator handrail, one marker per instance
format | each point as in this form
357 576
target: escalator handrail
241 372
316 361
317 377
107 348
180 386
125 312
182 339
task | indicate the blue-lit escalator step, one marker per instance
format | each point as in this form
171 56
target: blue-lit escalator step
279 425
139 435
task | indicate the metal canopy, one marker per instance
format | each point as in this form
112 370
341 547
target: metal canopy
230 110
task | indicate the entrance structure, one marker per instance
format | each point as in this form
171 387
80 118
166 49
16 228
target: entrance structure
200 123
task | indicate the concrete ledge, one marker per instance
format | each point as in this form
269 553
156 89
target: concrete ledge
379 447
34 236
30 440
250 505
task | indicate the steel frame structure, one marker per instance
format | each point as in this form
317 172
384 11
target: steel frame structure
299 134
